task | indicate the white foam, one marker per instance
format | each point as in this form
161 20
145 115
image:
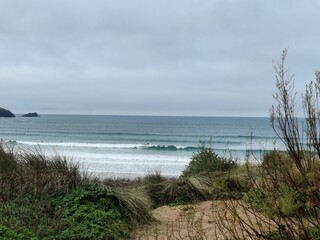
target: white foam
128 158
89 145
99 145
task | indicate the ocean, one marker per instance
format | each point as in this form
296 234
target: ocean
133 146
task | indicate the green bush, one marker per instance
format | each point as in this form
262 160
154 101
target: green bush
206 161
26 213
8 234
287 201
228 187
96 212
261 200
276 161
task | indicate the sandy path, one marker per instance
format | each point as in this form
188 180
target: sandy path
197 221
204 220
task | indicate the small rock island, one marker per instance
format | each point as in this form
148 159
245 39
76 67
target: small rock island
6 113
31 115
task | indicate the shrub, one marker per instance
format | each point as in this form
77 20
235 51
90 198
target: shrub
286 202
8 234
206 161
98 212
276 160
285 198
90 213
229 187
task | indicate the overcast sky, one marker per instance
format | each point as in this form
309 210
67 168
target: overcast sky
147 57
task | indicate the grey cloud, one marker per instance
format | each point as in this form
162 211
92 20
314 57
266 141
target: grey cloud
185 57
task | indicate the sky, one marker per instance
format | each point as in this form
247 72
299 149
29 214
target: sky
147 57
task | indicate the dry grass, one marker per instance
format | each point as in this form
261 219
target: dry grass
35 172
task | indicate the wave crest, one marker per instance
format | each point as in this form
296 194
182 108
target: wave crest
111 145
169 148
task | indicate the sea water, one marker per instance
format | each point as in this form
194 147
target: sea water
132 146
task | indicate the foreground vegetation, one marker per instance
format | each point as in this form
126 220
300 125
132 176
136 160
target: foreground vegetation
283 201
277 197
48 197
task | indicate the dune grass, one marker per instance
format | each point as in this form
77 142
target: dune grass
49 197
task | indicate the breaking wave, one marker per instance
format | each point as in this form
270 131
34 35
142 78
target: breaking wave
111 146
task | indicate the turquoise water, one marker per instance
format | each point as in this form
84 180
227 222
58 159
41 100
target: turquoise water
130 146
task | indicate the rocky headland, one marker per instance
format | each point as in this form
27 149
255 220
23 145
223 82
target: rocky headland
6 113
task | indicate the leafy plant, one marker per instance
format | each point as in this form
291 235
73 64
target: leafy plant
8 234
97 212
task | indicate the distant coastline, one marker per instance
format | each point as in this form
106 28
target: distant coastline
8 114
